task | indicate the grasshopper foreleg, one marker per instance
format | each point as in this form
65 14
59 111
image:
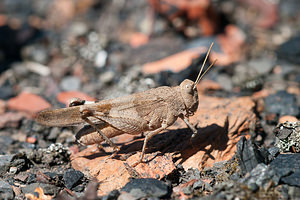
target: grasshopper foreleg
186 121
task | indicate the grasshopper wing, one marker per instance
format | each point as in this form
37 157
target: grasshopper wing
131 114
60 117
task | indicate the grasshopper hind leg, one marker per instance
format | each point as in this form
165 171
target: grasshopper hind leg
85 113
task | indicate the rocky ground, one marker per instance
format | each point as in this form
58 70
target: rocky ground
248 131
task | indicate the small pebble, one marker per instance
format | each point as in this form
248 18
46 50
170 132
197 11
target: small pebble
100 59
31 139
13 170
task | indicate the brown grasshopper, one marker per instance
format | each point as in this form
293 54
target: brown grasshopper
150 111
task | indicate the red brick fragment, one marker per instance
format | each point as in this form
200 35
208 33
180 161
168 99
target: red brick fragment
28 102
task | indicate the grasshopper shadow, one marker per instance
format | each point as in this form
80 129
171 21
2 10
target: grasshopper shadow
179 141
176 141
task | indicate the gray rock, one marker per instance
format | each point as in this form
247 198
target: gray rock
282 103
5 161
288 169
225 81
290 50
260 176
148 187
288 137
249 156
262 66
6 191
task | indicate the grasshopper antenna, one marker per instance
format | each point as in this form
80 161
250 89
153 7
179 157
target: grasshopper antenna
199 75
212 64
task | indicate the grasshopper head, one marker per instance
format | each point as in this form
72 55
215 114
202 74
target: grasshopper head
190 96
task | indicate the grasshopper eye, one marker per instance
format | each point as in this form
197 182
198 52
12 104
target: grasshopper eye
189 88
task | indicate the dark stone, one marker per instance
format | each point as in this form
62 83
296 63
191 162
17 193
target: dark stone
31 178
6 191
199 184
253 187
148 187
287 168
5 141
19 163
112 195
282 133
274 151
7 91
5 162
71 177
52 175
260 176
290 50
249 155
282 103
79 188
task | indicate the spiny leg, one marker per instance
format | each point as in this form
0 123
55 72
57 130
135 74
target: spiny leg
147 138
85 113
186 121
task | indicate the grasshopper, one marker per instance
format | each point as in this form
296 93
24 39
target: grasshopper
151 112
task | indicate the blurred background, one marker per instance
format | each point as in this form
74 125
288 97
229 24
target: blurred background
93 46
54 50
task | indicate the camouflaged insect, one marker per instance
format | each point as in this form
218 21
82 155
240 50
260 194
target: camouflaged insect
288 136
151 112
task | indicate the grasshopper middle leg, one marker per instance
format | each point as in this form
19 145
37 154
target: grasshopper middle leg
147 138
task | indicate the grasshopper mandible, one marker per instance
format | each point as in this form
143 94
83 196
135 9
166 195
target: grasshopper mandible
150 111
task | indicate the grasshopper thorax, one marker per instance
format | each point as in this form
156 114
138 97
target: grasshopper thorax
190 96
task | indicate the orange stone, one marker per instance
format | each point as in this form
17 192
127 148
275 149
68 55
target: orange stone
288 118
31 140
28 102
138 39
175 63
231 43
